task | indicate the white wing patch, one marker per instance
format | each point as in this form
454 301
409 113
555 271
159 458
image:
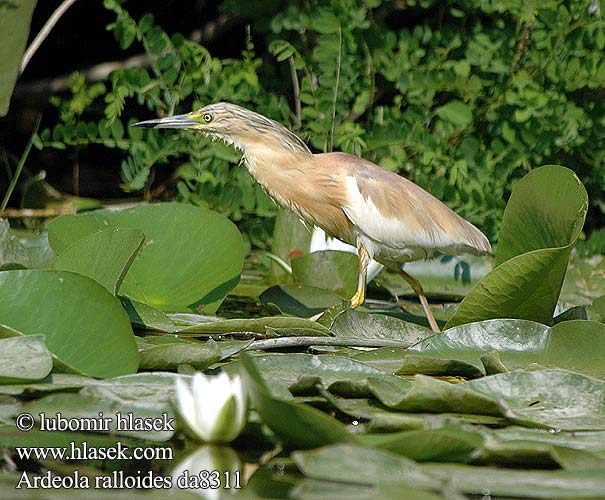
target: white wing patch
388 236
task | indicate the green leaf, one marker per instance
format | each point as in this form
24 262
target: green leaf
105 256
448 444
191 260
401 362
520 483
329 270
359 324
547 398
23 359
90 405
290 237
13 254
431 395
456 112
14 31
542 221
168 352
350 463
86 328
298 300
337 373
147 317
573 345
296 425
383 419
546 210
257 325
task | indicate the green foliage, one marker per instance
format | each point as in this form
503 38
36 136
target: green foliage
463 98
15 18
541 223
191 259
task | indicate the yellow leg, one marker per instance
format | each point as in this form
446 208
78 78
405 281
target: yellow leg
364 260
417 287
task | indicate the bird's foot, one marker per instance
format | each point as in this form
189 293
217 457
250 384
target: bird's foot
357 299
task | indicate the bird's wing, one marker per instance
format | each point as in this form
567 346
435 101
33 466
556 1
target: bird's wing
398 214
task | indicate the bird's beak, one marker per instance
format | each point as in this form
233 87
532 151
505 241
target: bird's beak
175 121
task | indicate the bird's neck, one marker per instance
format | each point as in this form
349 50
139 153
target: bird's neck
278 172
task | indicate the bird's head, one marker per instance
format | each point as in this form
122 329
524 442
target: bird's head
237 126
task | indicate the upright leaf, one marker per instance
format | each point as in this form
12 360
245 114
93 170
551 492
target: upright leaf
15 18
542 221
191 259
105 256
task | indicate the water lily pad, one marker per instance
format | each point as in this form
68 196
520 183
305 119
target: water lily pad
23 359
361 464
255 325
298 426
146 317
573 345
86 328
13 255
426 394
336 373
401 362
104 256
554 399
191 259
383 419
541 224
519 483
359 324
447 444
168 352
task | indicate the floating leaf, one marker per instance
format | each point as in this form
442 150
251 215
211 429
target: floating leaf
333 372
13 254
255 325
191 259
573 345
359 324
448 444
360 464
547 398
520 483
402 362
383 419
86 328
23 359
430 395
147 317
296 425
168 352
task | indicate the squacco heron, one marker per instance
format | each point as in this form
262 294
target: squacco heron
385 216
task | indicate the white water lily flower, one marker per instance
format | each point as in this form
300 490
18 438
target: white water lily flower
213 407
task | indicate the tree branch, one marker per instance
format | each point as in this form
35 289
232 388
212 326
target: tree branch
46 29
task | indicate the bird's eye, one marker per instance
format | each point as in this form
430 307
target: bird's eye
207 117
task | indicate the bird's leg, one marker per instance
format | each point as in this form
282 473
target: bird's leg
417 287
364 260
